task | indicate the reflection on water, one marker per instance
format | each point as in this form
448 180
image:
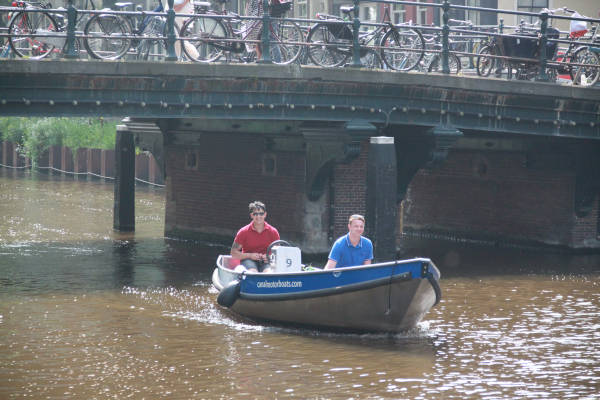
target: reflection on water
86 312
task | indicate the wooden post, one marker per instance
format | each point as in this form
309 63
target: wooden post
124 204
382 207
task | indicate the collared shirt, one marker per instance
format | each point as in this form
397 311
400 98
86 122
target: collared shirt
254 242
347 255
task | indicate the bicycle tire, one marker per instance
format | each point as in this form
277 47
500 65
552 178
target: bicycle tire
33 47
453 63
107 48
588 74
285 47
402 48
372 60
155 29
324 54
203 38
485 64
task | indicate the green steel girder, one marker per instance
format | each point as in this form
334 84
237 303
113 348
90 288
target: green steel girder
295 93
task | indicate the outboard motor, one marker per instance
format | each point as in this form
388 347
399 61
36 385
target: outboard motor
285 259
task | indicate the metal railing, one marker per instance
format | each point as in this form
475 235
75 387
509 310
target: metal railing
470 33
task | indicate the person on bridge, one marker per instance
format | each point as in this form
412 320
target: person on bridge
353 248
253 28
251 242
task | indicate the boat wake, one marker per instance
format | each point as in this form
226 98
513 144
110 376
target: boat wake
197 304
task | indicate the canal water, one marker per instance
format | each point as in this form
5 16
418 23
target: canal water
89 313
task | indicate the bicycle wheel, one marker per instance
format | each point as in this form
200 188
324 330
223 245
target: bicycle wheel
105 36
202 38
154 30
324 54
285 46
37 24
586 74
371 59
485 63
453 63
402 48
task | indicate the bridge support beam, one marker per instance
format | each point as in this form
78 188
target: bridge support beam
124 203
382 208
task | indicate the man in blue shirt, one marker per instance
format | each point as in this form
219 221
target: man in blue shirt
353 248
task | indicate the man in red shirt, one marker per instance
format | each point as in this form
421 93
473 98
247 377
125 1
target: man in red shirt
251 242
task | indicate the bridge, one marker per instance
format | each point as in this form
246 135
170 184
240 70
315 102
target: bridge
299 137
442 154
238 92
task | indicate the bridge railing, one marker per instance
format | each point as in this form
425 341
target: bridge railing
459 38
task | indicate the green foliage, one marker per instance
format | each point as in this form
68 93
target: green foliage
35 135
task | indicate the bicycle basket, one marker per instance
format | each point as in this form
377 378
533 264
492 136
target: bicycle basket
520 47
280 7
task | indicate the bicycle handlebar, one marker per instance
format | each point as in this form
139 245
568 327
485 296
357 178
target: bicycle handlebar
555 10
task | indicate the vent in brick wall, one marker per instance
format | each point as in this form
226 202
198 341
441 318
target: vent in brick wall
480 167
269 165
191 160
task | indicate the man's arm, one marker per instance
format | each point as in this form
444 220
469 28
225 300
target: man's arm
330 264
236 252
370 251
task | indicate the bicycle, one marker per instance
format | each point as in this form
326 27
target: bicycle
111 36
583 61
519 54
211 34
39 34
330 43
433 62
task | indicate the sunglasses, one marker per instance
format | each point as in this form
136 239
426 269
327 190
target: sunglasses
254 214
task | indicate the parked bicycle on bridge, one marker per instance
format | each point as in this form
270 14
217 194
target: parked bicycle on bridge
330 42
582 56
214 33
432 61
111 36
518 53
39 34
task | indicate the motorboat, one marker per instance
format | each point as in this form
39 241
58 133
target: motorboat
381 297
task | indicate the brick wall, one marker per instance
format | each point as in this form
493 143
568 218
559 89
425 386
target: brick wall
350 190
585 228
499 195
96 161
212 195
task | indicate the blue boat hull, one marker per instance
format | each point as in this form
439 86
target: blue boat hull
390 297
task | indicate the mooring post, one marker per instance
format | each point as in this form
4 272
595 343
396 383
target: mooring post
124 204
382 207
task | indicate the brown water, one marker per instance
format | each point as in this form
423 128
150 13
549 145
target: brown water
89 313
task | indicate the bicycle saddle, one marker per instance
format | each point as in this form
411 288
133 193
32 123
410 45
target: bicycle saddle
347 9
123 4
202 4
